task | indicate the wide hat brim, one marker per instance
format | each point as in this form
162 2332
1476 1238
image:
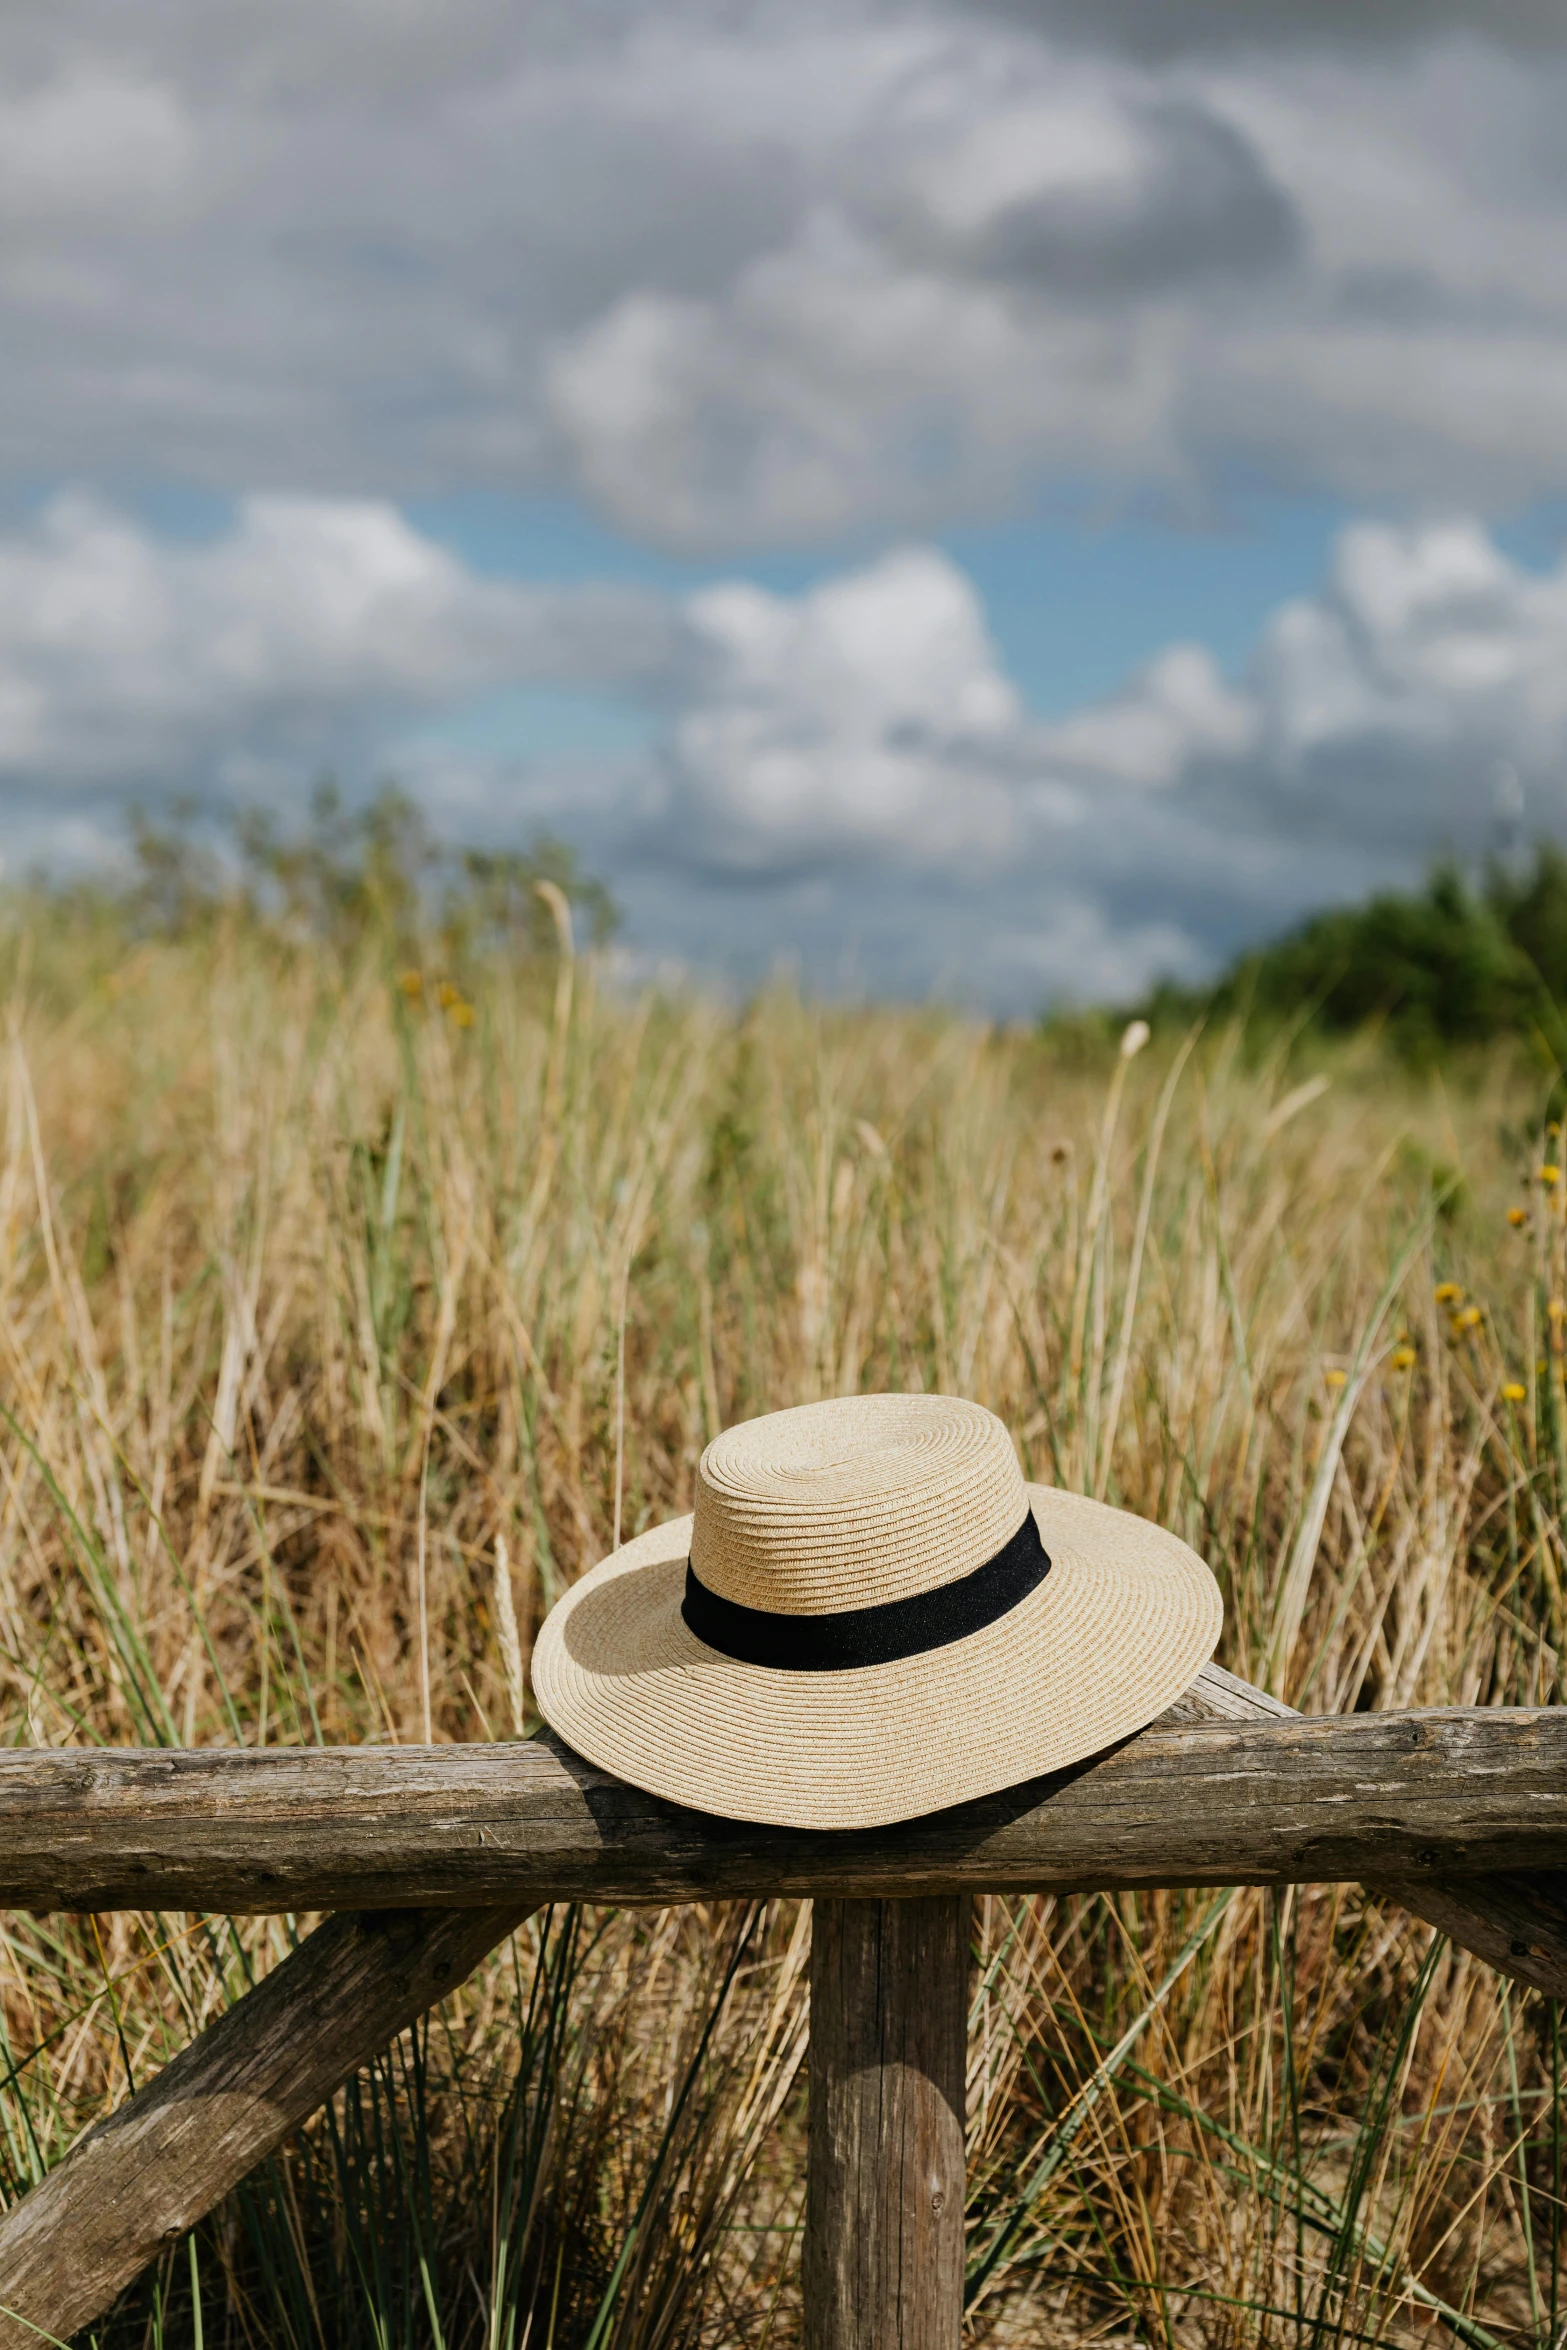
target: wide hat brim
1120 1626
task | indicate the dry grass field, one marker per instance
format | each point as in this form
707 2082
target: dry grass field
347 1315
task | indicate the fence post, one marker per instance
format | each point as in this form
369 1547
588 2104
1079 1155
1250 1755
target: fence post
883 2264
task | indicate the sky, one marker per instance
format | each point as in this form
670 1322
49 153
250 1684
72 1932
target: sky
1003 502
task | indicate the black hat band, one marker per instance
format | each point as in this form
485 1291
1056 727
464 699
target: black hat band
860 1636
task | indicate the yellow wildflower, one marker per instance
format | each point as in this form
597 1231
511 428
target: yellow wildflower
1403 1358
411 983
446 995
1448 1293
1517 1216
1550 1175
462 1013
1470 1319
1514 1391
1335 1378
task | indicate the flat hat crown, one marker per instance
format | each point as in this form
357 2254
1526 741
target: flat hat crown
855 1502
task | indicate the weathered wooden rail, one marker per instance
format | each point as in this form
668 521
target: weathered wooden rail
432 1855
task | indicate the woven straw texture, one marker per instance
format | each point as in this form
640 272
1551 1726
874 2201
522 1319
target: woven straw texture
845 1505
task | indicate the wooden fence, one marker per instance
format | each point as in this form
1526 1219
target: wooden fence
430 1856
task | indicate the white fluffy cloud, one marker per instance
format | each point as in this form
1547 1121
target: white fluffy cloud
308 624
1175 712
1416 701
747 274
867 718
847 774
1417 704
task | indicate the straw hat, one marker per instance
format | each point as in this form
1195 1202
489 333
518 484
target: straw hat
870 1616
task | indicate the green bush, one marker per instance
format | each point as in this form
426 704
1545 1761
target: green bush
1454 964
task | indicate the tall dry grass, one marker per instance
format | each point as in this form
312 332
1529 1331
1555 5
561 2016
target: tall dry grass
347 1315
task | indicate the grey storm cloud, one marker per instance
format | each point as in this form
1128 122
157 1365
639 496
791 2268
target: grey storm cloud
1187 198
1172 28
745 274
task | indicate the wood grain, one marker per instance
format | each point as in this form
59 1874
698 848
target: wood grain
1516 1922
883 2258
140 2179
1414 1797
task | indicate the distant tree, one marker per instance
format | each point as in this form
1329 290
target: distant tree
180 879
351 873
1532 909
495 898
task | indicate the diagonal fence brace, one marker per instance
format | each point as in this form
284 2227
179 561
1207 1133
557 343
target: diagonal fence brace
139 2180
